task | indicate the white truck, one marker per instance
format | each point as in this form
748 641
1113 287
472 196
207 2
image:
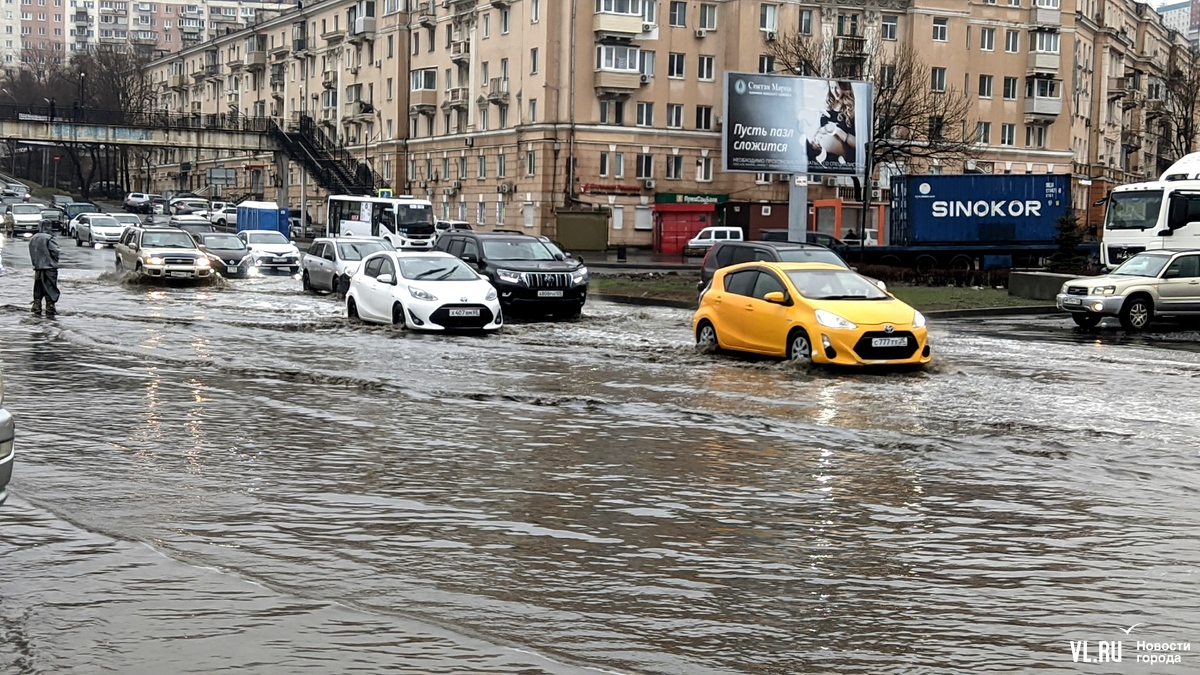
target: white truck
1157 214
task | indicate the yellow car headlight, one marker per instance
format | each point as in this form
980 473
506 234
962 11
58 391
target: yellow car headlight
918 320
831 320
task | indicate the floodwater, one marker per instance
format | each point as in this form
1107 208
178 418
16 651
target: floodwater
234 479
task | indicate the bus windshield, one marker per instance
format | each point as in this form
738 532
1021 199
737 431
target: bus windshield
1133 210
414 218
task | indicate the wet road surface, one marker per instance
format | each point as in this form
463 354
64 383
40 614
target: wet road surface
234 479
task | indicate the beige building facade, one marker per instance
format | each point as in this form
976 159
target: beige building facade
504 113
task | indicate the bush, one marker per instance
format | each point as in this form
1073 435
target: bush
905 275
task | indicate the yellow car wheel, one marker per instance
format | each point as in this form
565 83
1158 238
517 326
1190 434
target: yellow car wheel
799 347
706 335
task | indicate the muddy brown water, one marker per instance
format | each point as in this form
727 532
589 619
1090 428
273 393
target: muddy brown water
235 479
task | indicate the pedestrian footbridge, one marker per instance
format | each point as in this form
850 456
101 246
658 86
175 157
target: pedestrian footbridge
224 132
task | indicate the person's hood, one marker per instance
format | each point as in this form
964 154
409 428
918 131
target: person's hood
47 227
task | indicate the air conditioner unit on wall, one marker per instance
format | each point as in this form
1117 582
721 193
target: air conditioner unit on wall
645 79
650 184
782 177
647 27
876 194
830 181
771 36
700 33
502 188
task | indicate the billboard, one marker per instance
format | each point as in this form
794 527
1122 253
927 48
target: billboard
802 125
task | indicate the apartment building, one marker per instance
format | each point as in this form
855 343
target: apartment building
158 26
506 112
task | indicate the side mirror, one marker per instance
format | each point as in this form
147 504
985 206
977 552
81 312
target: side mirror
559 256
882 286
1167 233
470 258
776 297
386 279
202 247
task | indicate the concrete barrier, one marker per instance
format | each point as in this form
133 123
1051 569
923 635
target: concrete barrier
1037 285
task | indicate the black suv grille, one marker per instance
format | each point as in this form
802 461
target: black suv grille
1119 254
442 317
548 279
865 351
178 260
1076 290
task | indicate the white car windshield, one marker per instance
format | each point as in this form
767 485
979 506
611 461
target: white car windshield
1142 265
357 250
103 221
515 249
436 269
26 209
266 238
834 285
127 219
167 240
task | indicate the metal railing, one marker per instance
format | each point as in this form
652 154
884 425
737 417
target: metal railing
125 118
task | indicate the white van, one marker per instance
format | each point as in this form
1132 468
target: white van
704 239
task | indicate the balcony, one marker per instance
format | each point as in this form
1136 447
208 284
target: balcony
329 79
299 45
617 25
225 18
256 59
359 110
851 47
463 6
143 38
1133 98
1154 109
198 75
1045 17
1117 87
1041 63
422 101
235 63
457 97
111 10
82 19
333 36
425 14
1042 107
177 82
460 51
363 28
611 84
277 87
1131 139
188 28
498 90
212 71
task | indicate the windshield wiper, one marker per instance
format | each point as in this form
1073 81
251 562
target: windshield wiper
426 273
845 297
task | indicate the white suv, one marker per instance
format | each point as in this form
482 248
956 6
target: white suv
162 252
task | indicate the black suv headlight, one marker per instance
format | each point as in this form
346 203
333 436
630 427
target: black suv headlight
508 276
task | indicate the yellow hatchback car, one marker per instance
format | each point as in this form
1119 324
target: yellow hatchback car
811 312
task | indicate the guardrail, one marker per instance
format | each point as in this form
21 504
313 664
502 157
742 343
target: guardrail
125 118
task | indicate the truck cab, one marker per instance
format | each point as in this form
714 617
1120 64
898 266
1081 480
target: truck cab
1154 215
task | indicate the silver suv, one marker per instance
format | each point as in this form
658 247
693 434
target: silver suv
330 262
1150 284
163 252
7 436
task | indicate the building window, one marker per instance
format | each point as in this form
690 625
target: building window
1038 87
847 25
650 11
768 18
1010 89
425 79
704 169
645 114
482 167
677 14
939 79
708 16
530 163
675 65
987 39
504 21
532 110
887 76
503 117
674 116
535 11
941 30
501 169
487 25
481 213
705 68
806 22
619 58
985 86
618 165
983 133
612 112
1043 42
645 167
890 27
604 165
1008 134
1035 136
766 63
937 125
533 61
675 167
1012 41
633 7
646 63
704 117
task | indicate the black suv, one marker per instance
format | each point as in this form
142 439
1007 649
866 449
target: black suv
528 275
726 253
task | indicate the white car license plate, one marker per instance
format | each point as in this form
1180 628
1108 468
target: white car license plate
550 294
281 260
889 342
233 269
464 312
179 274
1072 301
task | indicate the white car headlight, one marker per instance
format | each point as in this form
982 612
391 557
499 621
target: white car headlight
509 276
918 320
491 295
1104 290
420 294
580 275
154 260
351 270
831 320
203 262
248 256
1063 289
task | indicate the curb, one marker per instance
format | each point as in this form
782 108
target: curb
644 302
992 311
663 267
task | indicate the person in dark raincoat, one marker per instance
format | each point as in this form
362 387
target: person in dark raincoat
43 253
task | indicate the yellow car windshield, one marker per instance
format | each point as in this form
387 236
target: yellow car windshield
834 285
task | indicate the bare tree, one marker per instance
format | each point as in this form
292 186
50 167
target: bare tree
1176 114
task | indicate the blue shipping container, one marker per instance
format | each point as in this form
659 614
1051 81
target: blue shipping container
263 216
977 209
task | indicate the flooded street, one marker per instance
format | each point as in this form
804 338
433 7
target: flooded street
234 479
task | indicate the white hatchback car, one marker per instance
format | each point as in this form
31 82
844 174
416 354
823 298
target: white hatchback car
423 291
